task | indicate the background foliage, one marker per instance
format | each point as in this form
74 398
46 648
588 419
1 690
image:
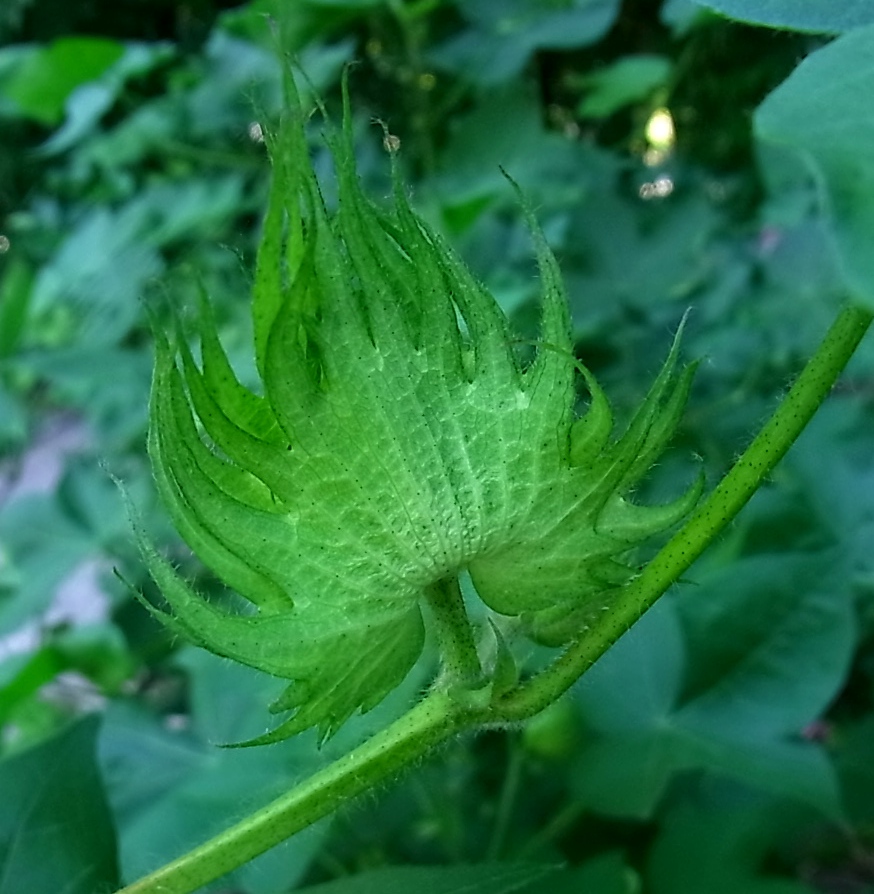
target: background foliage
727 742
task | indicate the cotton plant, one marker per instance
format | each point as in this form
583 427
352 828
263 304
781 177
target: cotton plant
398 441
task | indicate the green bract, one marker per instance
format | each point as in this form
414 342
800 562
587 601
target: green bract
399 440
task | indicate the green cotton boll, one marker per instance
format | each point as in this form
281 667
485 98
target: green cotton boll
398 441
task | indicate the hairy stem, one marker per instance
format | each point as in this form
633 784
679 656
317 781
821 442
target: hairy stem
731 494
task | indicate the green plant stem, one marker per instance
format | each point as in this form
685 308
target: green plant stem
436 718
731 494
461 663
441 714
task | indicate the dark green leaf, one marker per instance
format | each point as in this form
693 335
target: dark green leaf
819 16
500 878
48 75
767 646
15 292
504 36
172 790
723 849
770 642
87 104
627 81
823 112
56 834
680 15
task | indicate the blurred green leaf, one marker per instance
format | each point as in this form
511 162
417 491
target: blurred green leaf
11 14
47 76
103 267
15 291
56 834
99 271
504 130
173 790
9 575
680 15
832 466
626 760
13 424
607 874
171 787
503 36
48 535
87 104
45 546
495 878
722 849
97 651
823 112
304 24
115 406
856 769
625 252
767 645
604 875
188 209
818 16
769 642
627 81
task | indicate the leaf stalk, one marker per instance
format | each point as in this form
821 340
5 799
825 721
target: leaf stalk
457 646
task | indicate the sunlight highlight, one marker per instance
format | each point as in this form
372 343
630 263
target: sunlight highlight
660 133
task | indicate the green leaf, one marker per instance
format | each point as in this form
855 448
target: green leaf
56 833
96 651
503 36
307 28
45 546
823 113
505 131
723 848
773 637
48 75
171 790
15 292
680 15
841 431
817 16
766 646
498 878
606 874
627 759
99 270
644 259
49 535
171 787
88 103
13 426
856 769
627 81
115 405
